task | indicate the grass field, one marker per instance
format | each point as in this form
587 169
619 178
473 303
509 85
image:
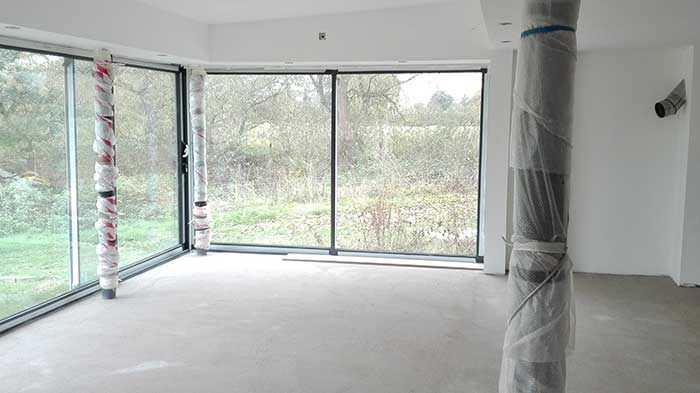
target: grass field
35 266
411 221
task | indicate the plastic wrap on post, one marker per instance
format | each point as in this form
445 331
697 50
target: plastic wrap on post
105 174
540 284
200 210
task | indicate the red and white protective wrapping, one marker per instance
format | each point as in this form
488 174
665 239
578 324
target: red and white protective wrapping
105 171
200 210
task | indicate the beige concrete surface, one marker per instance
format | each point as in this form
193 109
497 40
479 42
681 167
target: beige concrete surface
257 324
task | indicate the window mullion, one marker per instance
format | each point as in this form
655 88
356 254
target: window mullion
334 161
72 171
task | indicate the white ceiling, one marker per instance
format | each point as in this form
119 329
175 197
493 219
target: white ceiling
379 36
609 23
229 11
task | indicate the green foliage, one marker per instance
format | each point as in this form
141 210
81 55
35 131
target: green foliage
137 200
441 101
32 135
26 207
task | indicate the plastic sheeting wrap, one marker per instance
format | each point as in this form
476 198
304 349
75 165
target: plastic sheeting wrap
105 173
540 285
200 210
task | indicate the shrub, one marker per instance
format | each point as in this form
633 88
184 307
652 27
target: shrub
27 207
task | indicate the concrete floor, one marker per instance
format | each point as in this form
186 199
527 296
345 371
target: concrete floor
256 324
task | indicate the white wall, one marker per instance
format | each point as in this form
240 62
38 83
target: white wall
625 183
438 32
127 28
498 103
689 264
685 64
451 31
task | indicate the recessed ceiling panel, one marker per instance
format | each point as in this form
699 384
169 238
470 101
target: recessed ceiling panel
228 11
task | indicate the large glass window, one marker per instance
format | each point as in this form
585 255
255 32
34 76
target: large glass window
34 197
147 161
408 162
47 195
407 150
269 159
147 187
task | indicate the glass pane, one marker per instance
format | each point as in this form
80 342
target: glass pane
408 162
269 159
147 187
34 198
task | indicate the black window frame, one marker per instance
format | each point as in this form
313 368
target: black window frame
333 249
79 289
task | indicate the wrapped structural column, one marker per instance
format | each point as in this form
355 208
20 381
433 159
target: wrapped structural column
105 175
541 320
200 210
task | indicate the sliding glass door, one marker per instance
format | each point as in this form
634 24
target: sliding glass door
147 158
367 162
47 190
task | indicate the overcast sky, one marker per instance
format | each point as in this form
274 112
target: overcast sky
420 89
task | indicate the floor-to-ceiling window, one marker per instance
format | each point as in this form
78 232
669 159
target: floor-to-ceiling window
369 162
34 196
269 159
147 187
408 162
47 195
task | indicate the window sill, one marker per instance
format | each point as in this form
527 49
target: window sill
424 262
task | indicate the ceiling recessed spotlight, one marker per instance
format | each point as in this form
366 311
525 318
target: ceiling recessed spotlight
506 42
506 23
12 27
